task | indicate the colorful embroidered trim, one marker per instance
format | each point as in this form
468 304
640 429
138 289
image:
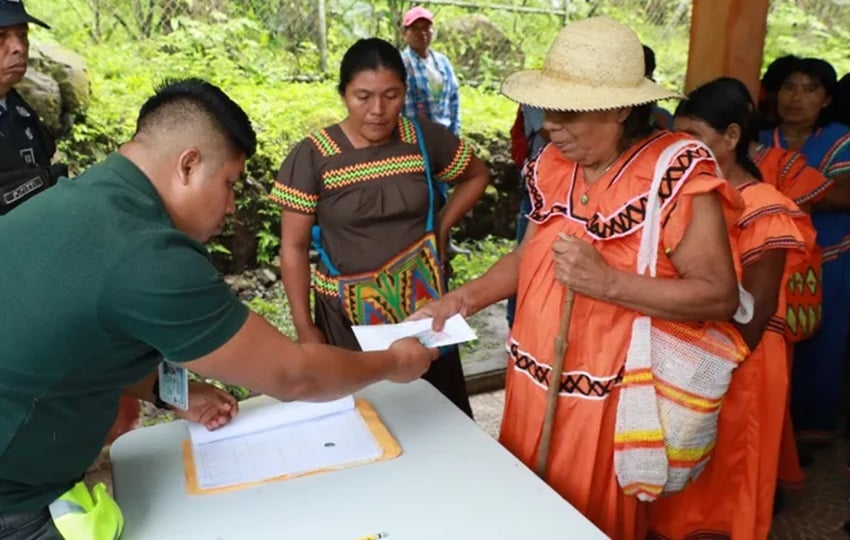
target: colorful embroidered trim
828 165
295 199
324 284
406 131
324 143
403 285
777 325
777 242
630 217
770 210
830 253
458 165
373 170
815 193
538 199
573 384
391 293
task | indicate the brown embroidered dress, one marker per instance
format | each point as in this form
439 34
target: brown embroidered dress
372 206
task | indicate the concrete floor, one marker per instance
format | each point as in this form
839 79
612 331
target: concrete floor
815 513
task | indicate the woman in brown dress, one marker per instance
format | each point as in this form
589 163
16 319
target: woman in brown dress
363 192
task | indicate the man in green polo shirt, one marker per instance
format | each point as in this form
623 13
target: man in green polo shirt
103 276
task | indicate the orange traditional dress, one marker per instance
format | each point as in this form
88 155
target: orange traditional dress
788 172
608 214
733 498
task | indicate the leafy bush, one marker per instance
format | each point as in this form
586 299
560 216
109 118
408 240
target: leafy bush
484 254
282 112
252 49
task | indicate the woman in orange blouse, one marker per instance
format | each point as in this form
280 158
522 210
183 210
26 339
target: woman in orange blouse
734 496
589 189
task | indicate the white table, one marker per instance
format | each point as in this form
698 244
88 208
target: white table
453 481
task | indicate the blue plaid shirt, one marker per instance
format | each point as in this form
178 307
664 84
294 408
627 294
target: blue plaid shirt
447 111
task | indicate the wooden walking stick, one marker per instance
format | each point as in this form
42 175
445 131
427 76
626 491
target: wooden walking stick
561 344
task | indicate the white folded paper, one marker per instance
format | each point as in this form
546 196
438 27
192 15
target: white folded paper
379 337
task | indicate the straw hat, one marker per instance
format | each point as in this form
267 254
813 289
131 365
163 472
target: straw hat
594 64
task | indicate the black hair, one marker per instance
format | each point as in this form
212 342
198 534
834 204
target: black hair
777 72
822 72
367 55
841 100
648 61
183 97
721 103
637 126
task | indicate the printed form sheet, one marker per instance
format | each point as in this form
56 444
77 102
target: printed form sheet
277 439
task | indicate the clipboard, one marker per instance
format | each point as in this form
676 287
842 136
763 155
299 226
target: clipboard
388 444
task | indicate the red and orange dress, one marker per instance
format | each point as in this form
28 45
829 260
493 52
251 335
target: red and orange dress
788 172
733 498
609 215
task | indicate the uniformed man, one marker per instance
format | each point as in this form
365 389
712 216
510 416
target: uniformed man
123 280
26 147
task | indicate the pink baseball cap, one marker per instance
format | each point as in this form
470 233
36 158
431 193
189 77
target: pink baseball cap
414 14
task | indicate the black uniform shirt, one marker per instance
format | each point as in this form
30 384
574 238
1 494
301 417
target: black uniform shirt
26 149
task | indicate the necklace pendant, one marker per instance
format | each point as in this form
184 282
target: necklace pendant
584 199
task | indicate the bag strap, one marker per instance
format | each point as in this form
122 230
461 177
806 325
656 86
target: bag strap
316 234
647 260
429 224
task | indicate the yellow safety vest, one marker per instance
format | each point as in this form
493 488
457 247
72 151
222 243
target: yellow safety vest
82 515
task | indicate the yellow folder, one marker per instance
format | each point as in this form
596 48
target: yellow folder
383 437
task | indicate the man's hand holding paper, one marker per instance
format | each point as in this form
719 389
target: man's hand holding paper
412 358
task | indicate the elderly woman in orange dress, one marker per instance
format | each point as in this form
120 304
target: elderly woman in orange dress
589 190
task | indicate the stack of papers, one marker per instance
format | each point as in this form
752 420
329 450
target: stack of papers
269 439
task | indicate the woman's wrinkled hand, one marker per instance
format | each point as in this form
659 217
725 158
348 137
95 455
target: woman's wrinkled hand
578 266
441 310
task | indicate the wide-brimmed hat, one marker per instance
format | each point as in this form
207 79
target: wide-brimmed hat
12 13
594 64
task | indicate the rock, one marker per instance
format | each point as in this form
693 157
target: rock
43 94
56 86
478 49
68 69
242 283
268 277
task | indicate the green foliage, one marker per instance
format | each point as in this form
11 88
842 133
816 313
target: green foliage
275 310
810 29
253 50
485 253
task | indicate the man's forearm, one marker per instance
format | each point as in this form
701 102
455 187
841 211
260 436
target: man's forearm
330 372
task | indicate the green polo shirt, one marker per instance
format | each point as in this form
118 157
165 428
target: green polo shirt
96 285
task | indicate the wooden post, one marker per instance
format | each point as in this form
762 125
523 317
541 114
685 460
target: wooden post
323 37
727 40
